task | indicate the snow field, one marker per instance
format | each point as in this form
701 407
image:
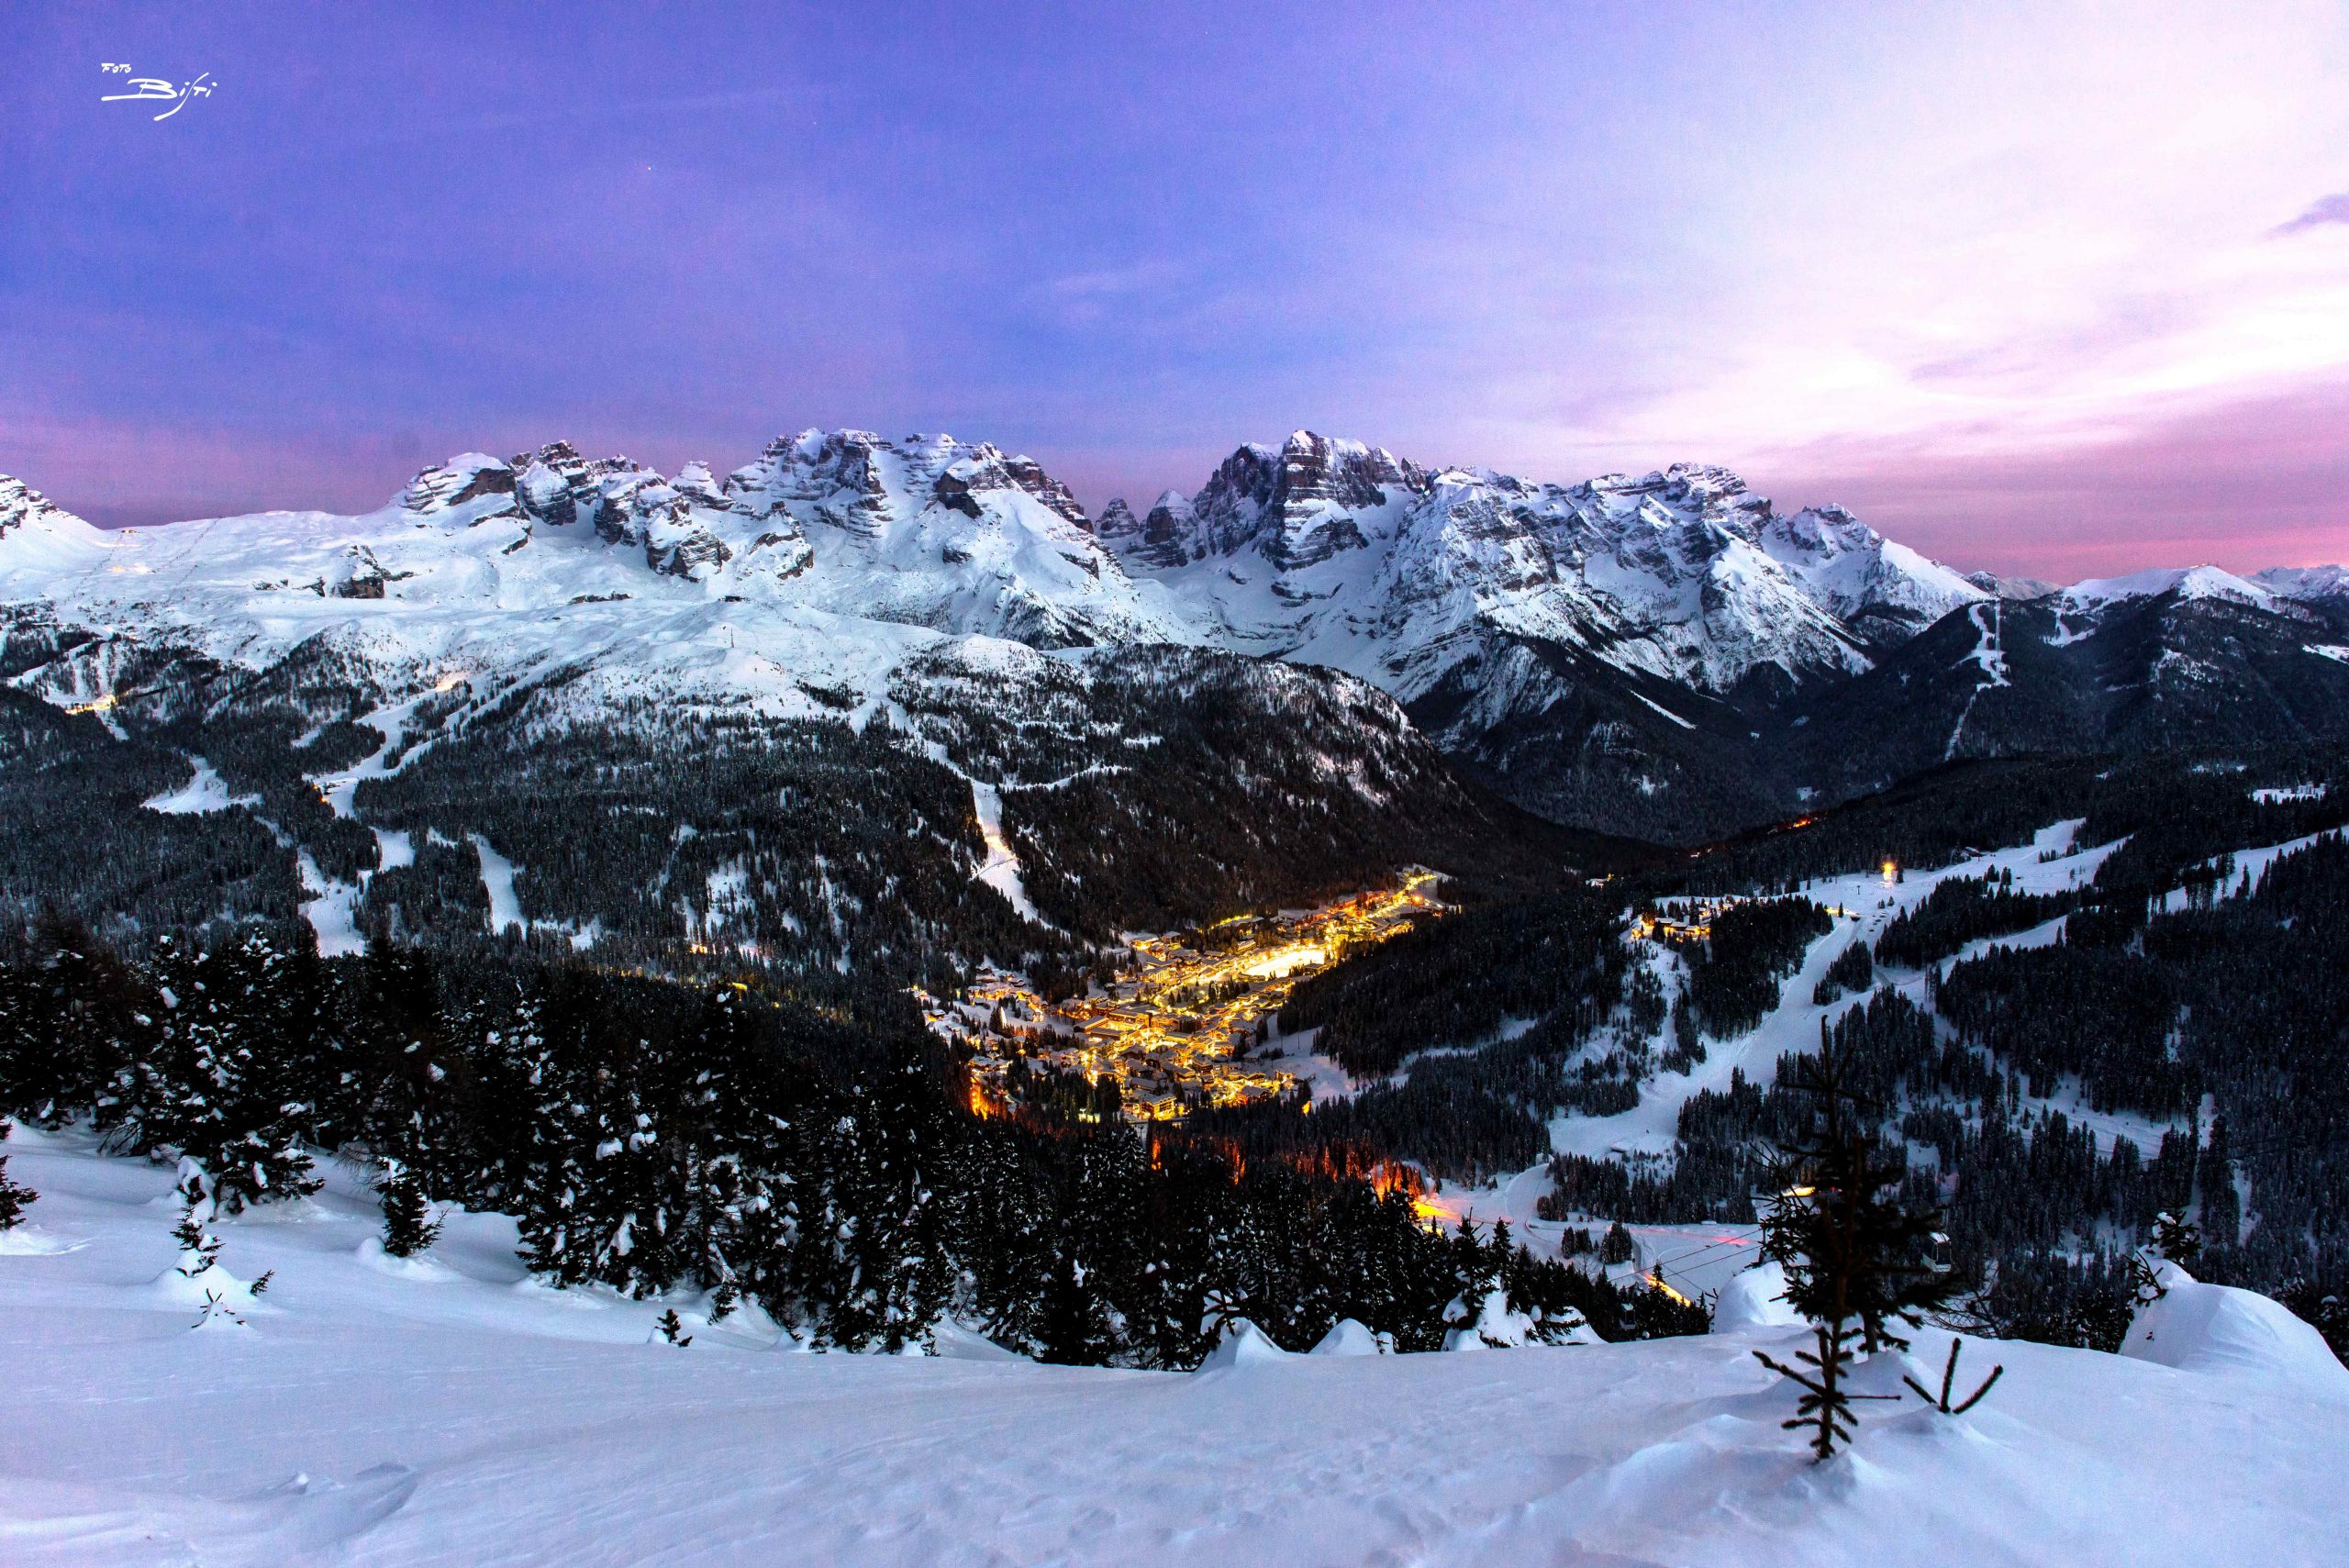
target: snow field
448 1410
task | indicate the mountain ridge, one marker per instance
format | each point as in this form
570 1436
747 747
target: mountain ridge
1635 655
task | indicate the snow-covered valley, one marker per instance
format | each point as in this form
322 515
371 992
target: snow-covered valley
867 715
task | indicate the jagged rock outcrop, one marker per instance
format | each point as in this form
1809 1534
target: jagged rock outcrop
1294 504
468 477
21 503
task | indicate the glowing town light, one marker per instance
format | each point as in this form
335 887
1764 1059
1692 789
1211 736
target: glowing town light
1283 960
450 683
1891 873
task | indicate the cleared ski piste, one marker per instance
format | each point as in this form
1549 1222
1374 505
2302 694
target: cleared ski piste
1699 1259
449 1410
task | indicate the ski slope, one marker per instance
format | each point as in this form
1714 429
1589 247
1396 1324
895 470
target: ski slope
448 1410
1698 1260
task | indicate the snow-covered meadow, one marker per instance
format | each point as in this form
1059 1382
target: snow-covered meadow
451 1410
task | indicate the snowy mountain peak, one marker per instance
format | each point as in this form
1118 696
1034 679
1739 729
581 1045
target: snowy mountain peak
1293 504
27 513
1884 590
2188 583
2316 584
864 484
1339 552
2021 589
1675 490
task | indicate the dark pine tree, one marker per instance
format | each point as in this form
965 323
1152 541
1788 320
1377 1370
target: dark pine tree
269 1009
408 1225
878 1252
1858 1266
14 1194
199 1248
1075 1327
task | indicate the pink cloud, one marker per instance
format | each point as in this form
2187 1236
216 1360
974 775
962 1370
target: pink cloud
121 476
2333 208
2256 483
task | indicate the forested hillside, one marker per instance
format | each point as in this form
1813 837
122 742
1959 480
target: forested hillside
651 1136
840 853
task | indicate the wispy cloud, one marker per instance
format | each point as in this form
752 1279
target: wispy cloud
2333 208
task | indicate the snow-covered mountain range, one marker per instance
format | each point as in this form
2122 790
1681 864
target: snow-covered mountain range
1343 554
1319 552
856 707
1629 654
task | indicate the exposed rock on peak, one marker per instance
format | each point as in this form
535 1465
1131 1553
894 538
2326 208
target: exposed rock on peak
1167 531
1029 476
22 507
834 478
1296 503
984 468
467 477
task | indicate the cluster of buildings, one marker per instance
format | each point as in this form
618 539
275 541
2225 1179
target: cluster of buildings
1691 920
1174 1030
1683 920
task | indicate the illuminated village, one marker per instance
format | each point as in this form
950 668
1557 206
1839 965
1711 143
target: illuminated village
1174 1030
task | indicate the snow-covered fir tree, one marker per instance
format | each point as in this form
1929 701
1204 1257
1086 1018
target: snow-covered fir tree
199 1246
409 1225
14 1194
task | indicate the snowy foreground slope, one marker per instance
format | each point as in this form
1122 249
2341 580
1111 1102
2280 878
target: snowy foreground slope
452 1411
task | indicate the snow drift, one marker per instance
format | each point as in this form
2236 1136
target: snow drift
380 1420
2219 1329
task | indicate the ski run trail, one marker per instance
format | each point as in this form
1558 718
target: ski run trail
1699 1259
449 1409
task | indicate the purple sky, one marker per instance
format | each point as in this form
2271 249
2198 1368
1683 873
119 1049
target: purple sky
2046 290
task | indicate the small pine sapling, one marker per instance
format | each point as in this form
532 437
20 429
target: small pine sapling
408 1224
14 1194
199 1248
1949 1379
2176 1241
1857 1264
1825 1405
215 1314
673 1328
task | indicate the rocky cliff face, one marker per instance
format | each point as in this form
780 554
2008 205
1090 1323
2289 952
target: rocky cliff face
20 505
1343 554
1294 504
